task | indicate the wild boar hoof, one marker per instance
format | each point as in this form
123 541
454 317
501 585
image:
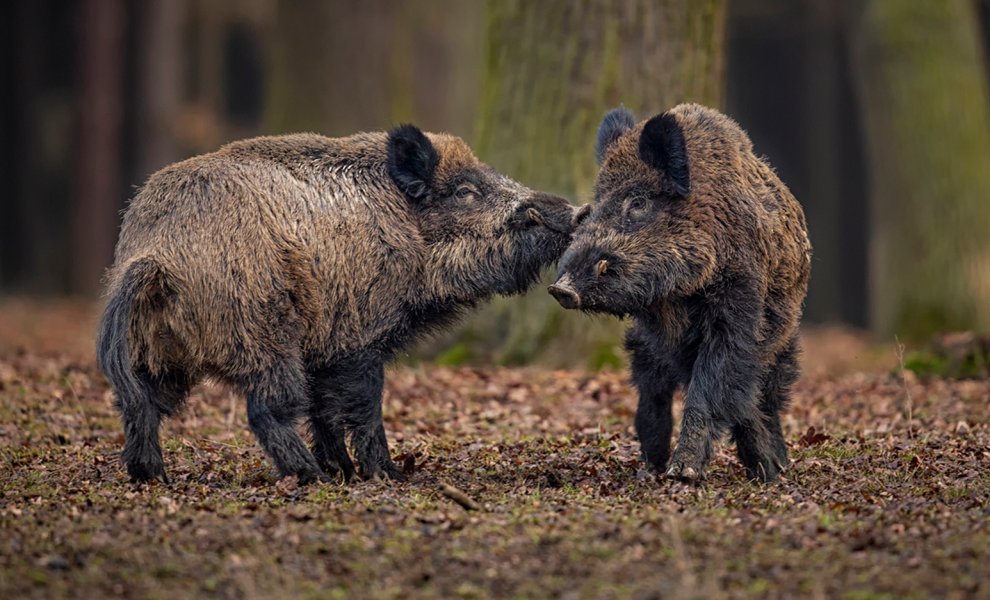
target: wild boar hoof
765 471
312 476
336 471
681 471
388 472
142 472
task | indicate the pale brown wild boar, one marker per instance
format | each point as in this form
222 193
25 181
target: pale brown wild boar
292 268
696 238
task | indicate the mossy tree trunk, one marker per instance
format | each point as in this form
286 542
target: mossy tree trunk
358 65
552 68
927 112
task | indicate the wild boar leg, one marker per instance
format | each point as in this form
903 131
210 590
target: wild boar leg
368 429
350 394
655 381
776 395
142 411
329 446
327 419
722 394
276 399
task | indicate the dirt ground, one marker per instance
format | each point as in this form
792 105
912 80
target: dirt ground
888 495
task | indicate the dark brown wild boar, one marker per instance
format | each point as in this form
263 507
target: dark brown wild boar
292 268
697 239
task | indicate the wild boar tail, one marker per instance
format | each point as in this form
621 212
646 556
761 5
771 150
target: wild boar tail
142 282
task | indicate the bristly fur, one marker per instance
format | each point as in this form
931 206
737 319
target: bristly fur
615 122
293 267
708 251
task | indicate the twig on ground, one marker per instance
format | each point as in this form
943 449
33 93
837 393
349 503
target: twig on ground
907 392
458 496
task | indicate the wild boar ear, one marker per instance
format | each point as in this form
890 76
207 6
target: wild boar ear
662 147
412 160
615 122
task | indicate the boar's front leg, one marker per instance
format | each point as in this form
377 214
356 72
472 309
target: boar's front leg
364 418
722 392
276 398
329 446
349 394
655 381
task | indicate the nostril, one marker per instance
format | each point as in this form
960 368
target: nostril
580 215
534 216
566 296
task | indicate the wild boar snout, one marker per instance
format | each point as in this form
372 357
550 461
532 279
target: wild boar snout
563 291
546 210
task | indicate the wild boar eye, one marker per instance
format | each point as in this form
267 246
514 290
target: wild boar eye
635 205
466 192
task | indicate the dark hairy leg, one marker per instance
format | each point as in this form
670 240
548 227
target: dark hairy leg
776 394
655 382
347 399
276 399
329 446
160 396
765 456
722 392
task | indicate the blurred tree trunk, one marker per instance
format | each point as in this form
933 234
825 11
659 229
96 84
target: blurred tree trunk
97 173
159 84
552 69
377 63
924 95
19 221
838 288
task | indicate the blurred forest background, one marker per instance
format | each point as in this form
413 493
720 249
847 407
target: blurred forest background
875 112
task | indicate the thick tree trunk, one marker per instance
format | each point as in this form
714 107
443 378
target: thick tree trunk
924 95
97 174
380 63
159 85
552 69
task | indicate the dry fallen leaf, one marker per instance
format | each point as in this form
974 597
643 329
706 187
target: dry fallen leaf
812 437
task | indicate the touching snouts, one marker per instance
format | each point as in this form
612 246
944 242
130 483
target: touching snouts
546 211
552 212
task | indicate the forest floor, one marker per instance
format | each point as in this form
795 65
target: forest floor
888 495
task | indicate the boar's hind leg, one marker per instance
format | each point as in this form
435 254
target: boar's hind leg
776 394
276 399
760 441
141 409
655 382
